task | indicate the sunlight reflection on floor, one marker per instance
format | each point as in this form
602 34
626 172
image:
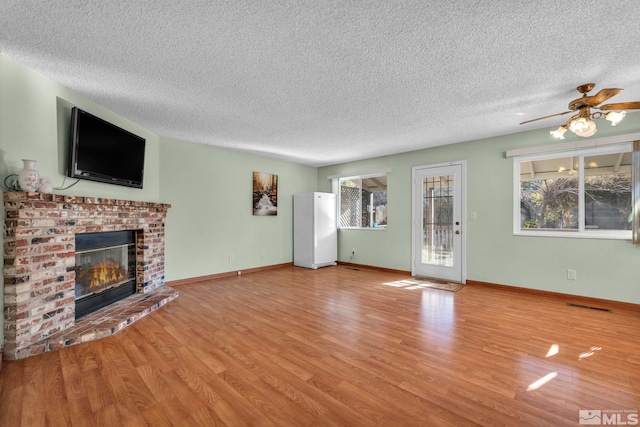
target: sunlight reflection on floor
415 283
542 381
553 350
438 316
589 353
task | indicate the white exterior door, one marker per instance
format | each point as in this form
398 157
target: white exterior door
438 229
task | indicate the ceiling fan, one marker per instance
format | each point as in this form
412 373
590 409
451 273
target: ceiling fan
582 124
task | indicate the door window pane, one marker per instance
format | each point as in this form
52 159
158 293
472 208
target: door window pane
437 220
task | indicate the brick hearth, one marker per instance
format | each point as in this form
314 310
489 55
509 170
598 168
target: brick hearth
39 260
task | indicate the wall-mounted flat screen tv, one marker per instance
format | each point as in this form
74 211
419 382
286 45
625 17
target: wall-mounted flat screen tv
103 152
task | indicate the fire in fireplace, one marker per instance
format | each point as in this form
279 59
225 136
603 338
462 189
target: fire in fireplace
105 269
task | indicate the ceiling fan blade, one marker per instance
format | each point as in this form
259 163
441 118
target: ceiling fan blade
546 117
601 96
621 106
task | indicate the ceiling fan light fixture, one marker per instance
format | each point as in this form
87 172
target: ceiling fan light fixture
615 117
582 124
558 133
578 125
584 127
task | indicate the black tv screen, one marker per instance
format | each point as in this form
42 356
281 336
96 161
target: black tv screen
103 152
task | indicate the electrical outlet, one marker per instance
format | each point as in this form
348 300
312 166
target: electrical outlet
232 257
262 256
571 274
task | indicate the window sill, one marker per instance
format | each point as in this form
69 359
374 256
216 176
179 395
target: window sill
591 234
380 228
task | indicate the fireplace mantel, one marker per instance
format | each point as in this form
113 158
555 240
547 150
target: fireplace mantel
39 260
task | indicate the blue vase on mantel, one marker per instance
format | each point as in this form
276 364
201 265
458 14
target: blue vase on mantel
28 177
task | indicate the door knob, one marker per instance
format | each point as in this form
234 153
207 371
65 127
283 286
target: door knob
457 222
457 231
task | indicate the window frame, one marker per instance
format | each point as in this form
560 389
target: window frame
335 188
581 232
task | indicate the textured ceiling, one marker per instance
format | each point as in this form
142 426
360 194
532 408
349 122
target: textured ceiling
323 82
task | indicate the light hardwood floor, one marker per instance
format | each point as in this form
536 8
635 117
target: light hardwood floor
337 346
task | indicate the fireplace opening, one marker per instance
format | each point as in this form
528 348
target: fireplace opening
105 269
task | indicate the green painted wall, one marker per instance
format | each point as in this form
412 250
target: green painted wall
607 269
210 190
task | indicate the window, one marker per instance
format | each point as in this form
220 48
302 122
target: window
363 201
584 193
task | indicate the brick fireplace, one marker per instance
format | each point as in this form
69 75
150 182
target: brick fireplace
39 268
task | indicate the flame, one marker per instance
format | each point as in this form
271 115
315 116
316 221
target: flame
105 273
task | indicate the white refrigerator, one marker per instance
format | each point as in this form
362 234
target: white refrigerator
315 233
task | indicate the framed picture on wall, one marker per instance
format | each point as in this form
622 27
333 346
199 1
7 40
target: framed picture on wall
265 194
